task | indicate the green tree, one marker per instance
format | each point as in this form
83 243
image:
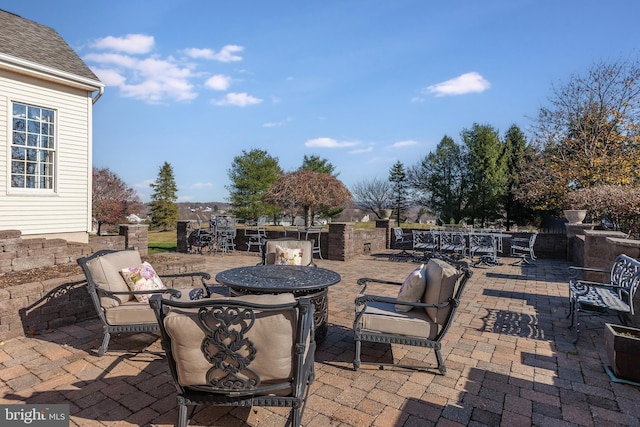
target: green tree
164 206
251 175
488 173
515 152
317 164
441 180
400 186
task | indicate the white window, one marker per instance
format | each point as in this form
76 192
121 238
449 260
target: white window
32 147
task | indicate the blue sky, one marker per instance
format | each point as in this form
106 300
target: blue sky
362 83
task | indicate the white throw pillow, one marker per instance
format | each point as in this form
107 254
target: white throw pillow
288 256
412 289
142 278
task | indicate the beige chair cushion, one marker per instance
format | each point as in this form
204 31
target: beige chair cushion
305 245
441 282
105 271
412 288
130 313
272 335
382 317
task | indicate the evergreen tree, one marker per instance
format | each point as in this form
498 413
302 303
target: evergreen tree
398 178
316 164
442 181
164 209
488 173
251 175
515 150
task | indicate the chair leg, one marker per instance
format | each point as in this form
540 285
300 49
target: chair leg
105 343
441 367
182 414
356 360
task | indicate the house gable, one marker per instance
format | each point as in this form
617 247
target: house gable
38 71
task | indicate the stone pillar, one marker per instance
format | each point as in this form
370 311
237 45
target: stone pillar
388 225
183 235
136 236
340 242
573 230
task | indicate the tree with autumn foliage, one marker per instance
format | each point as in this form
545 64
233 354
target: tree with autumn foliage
307 191
588 135
111 199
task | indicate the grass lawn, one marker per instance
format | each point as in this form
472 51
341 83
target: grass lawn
162 241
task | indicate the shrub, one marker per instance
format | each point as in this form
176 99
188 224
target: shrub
616 204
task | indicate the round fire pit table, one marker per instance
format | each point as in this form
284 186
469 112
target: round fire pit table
303 281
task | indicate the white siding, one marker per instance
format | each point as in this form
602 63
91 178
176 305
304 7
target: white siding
68 208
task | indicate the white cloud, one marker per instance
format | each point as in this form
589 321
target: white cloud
127 64
226 54
218 82
361 150
329 143
131 43
417 100
201 185
465 83
406 143
238 99
110 77
277 124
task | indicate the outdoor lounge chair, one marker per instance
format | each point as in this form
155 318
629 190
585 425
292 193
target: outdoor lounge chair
116 304
252 350
420 316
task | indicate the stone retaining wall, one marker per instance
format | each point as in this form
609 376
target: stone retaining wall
30 308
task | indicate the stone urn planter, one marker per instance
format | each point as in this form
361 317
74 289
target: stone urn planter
575 216
623 351
385 213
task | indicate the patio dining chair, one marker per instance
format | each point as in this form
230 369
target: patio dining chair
484 246
402 241
453 243
252 350
523 248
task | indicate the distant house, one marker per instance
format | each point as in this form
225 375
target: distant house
134 219
46 98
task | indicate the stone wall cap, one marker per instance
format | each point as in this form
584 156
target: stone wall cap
604 233
631 243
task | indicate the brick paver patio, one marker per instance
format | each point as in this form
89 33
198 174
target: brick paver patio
509 358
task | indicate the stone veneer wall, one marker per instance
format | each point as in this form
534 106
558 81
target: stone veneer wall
30 308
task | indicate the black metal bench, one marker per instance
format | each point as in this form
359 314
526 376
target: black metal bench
616 297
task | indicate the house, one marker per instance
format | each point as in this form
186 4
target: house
46 98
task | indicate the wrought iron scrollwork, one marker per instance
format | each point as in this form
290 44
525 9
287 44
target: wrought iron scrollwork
227 348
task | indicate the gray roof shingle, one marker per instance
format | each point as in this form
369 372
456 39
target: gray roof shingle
30 41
